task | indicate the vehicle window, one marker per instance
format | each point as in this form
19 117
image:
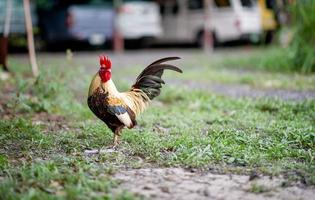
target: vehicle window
172 8
175 9
136 0
247 3
94 2
98 2
195 4
57 4
222 3
162 9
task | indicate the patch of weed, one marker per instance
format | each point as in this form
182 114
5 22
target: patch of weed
258 188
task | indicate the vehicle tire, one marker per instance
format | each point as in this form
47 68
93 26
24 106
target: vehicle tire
146 42
132 43
269 35
200 39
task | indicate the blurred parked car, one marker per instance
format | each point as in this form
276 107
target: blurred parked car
139 20
269 24
229 20
17 24
91 21
17 31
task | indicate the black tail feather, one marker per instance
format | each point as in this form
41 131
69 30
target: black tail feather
152 78
164 60
149 81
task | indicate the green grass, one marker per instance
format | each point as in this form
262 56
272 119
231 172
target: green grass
278 70
183 128
268 60
261 68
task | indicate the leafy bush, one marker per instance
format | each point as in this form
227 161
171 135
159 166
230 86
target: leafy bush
39 96
303 44
300 54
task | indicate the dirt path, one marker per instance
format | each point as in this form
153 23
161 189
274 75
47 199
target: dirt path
176 183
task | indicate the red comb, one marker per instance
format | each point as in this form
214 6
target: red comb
105 62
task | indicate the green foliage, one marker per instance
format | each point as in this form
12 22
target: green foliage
44 4
39 96
42 96
3 161
258 188
304 36
299 56
22 138
48 93
274 59
295 58
58 179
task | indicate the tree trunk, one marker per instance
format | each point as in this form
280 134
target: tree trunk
118 40
208 38
4 52
30 38
4 38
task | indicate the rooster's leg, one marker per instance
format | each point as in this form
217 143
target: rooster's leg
116 140
117 134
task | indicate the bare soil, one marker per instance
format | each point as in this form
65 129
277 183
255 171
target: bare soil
177 183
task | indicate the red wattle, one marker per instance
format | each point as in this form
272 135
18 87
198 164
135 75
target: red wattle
104 74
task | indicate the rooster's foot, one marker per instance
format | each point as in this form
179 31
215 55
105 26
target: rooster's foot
92 151
109 149
99 151
116 141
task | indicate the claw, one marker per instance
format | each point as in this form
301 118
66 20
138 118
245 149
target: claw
101 151
93 151
109 149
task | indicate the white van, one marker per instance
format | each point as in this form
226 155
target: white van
184 20
139 19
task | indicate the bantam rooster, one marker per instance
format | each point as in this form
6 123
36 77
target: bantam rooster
120 109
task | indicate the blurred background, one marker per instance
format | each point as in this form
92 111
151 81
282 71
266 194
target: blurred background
245 103
118 24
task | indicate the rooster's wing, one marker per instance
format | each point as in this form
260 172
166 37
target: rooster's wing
116 107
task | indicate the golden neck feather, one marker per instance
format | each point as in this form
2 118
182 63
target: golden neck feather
109 86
